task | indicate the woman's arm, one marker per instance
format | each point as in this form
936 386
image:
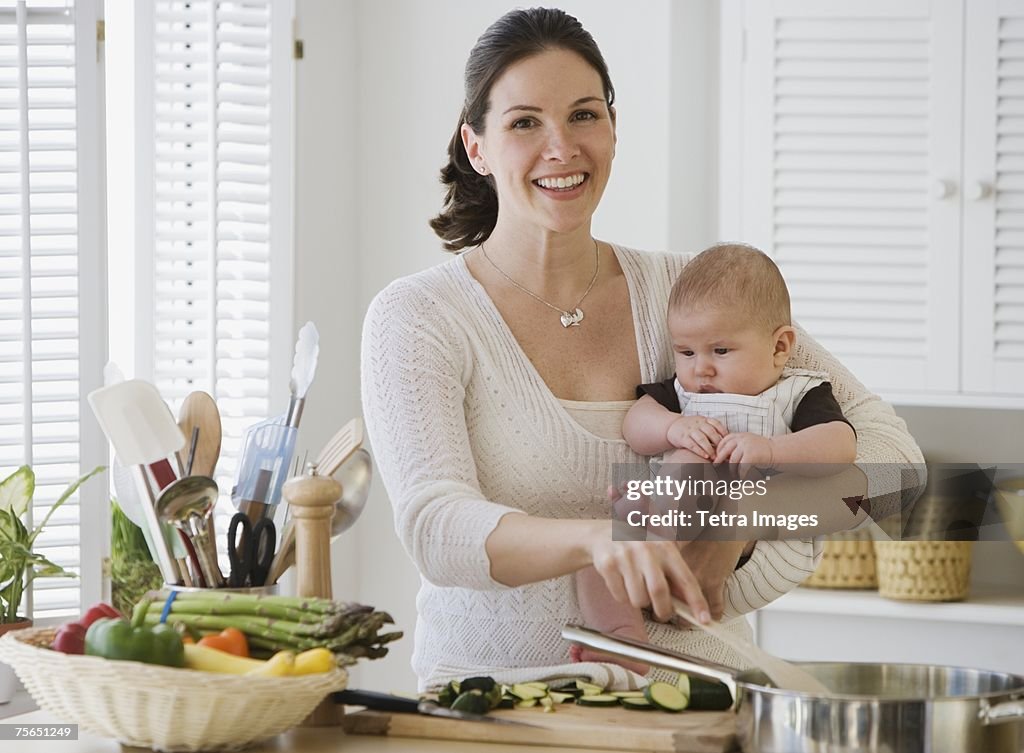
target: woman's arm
525 549
412 391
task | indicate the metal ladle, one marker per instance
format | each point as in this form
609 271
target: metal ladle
354 475
187 504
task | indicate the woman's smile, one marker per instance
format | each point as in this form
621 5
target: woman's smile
562 187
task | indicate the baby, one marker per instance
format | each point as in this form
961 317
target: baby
732 399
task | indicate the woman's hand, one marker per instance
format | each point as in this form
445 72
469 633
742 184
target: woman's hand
647 573
712 562
697 434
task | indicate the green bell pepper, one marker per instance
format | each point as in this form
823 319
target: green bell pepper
122 640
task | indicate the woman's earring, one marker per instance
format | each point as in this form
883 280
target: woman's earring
482 169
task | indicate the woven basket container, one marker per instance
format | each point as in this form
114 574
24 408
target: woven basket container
848 561
161 707
923 570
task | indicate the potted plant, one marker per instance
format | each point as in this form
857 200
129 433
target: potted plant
19 565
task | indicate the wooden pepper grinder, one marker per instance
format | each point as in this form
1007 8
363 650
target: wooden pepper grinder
312 498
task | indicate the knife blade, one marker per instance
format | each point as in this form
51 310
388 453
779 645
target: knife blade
395 703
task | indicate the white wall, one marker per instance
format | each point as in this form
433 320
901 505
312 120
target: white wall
378 95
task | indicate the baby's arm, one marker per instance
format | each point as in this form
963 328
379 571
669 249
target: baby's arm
645 427
651 429
831 443
821 444
818 450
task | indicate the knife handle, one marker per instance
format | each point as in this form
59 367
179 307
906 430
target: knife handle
376 701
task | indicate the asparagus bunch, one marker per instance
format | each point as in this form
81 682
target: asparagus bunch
277 623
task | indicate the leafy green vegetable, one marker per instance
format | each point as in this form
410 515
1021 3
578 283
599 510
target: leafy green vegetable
19 565
132 570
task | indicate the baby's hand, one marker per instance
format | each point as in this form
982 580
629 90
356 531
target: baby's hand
697 434
746 450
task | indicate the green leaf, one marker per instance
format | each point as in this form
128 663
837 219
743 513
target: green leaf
16 490
62 499
18 564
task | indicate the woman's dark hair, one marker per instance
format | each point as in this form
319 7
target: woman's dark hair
471 205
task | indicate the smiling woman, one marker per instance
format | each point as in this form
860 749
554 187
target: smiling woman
494 405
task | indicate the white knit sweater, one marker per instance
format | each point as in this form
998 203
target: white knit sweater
465 431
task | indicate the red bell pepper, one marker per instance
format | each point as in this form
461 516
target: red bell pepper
98 611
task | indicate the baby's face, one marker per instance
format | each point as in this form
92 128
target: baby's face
717 352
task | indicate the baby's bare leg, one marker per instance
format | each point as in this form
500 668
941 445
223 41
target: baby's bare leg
601 611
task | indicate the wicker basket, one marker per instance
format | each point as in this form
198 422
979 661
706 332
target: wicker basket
923 570
847 562
161 707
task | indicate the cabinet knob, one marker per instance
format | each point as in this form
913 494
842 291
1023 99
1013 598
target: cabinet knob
943 189
978 190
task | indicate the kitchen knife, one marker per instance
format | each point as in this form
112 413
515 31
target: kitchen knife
398 704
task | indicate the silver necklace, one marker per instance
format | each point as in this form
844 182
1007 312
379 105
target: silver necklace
571 318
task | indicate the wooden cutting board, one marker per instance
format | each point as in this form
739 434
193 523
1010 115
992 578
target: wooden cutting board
570 726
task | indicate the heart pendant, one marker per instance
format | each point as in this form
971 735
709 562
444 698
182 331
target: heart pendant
572 320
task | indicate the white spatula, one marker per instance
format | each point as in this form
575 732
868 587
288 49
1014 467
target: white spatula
138 423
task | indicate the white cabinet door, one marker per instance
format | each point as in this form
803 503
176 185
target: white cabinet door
848 175
993 201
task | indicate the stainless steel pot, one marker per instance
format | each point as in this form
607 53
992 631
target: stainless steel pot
873 708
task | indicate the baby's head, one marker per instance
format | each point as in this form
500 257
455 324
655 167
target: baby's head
728 317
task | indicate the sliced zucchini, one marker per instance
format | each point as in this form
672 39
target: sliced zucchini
473 701
665 696
525 692
598 699
529 703
548 703
628 693
448 694
557 697
707 695
589 689
486 684
637 704
537 684
507 702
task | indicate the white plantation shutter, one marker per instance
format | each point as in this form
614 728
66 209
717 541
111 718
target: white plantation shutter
994 199
851 127
217 232
52 333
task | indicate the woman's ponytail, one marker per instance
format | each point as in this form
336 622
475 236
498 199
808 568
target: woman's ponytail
470 203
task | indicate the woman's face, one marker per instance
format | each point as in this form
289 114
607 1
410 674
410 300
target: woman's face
549 139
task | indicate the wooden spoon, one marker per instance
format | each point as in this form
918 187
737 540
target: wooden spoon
781 672
199 409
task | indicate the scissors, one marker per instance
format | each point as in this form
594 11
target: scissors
250 556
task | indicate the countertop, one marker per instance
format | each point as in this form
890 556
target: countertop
300 740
